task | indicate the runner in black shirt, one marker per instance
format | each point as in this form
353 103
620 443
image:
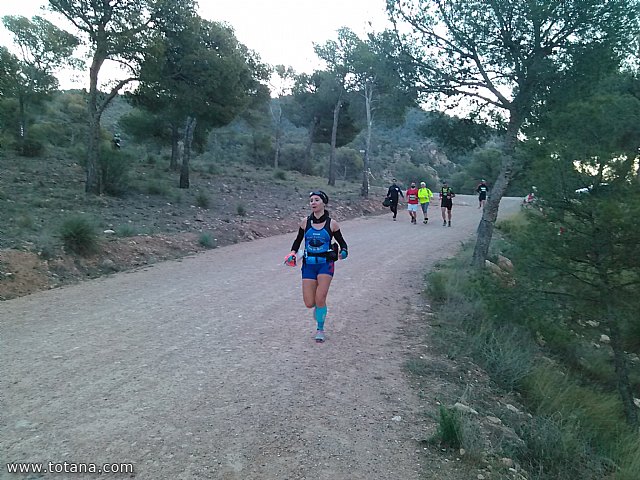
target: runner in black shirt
446 202
393 195
482 193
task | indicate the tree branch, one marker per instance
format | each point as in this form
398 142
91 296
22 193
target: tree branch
114 91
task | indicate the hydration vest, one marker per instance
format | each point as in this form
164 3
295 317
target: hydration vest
317 242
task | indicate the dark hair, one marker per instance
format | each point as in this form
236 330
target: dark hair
323 196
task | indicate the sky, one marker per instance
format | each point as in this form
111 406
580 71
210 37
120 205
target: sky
280 31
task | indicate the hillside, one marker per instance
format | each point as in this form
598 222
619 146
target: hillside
235 194
153 221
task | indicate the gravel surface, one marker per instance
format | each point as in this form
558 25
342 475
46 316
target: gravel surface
206 367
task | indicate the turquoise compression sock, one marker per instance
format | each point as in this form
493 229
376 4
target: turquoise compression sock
320 314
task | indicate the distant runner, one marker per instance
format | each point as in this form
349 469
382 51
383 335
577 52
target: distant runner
446 202
412 202
424 197
393 195
482 193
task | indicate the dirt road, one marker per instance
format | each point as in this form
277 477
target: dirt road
206 367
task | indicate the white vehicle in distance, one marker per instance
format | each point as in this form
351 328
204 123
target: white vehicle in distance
590 188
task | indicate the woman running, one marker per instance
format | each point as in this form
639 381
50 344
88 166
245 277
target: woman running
318 230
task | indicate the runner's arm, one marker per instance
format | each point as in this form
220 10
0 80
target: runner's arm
337 234
296 243
340 239
344 250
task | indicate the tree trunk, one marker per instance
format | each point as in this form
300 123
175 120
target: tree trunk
276 156
175 151
312 132
622 371
94 184
334 136
93 178
490 211
367 148
22 120
22 123
188 139
277 118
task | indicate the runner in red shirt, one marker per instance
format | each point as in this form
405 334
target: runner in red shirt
412 200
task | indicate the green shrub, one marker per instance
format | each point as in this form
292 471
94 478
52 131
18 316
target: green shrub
471 438
126 230
280 174
157 174
506 352
154 187
214 169
151 159
553 391
630 463
580 431
207 240
449 432
202 200
241 210
260 149
55 133
437 286
512 224
552 449
78 153
114 170
47 247
419 367
6 140
294 157
631 336
79 235
177 198
25 221
29 147
407 172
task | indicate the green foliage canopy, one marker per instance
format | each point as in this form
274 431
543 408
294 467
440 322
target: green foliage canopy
43 48
202 71
507 56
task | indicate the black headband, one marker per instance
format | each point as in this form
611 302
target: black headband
323 196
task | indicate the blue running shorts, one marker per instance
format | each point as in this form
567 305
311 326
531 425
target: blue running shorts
311 271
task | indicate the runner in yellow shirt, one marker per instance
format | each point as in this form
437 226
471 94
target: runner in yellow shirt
424 197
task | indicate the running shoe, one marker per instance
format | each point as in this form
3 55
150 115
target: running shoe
319 336
449 222
444 224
